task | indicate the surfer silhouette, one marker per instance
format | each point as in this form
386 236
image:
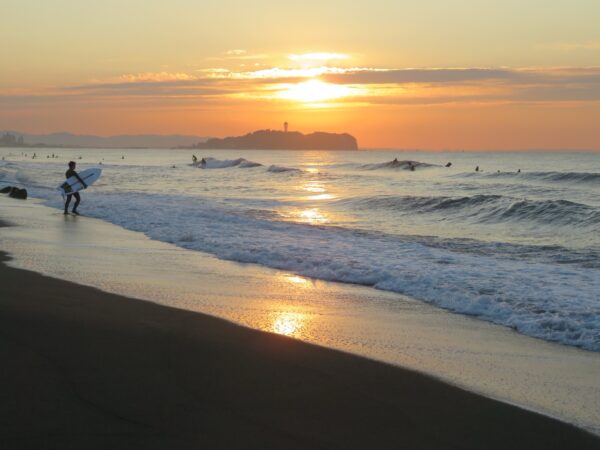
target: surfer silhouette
194 159
71 173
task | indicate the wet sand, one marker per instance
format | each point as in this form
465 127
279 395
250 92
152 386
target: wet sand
87 369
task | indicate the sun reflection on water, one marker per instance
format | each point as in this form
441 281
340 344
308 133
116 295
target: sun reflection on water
313 216
313 187
288 323
321 197
300 281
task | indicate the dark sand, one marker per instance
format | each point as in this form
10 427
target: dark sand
83 369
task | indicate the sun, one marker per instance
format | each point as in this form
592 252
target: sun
314 91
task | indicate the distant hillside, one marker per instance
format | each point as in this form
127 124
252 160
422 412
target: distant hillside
122 141
281 140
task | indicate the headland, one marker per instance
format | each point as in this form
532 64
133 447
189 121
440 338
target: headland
283 140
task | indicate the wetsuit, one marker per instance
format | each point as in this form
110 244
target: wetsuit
71 173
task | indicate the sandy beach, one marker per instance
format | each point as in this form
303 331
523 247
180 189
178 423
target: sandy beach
90 369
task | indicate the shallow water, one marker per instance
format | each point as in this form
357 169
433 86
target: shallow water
521 249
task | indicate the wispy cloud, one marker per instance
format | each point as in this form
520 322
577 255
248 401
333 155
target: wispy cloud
237 55
318 57
361 85
236 52
154 77
570 46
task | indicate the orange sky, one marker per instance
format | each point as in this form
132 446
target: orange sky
475 76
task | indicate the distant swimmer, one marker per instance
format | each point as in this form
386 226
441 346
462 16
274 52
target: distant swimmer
449 164
411 167
71 173
477 169
194 159
203 162
123 157
519 171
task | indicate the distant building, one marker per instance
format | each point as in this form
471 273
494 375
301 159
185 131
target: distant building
285 127
8 140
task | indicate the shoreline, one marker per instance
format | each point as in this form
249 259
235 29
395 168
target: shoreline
485 359
126 373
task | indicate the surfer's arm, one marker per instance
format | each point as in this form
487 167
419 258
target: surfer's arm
81 181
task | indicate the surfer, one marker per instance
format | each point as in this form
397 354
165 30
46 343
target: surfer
194 159
71 173
202 162
477 169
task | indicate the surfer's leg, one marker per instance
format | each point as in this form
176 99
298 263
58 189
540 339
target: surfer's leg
77 200
67 203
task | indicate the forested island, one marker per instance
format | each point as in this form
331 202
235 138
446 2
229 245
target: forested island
283 140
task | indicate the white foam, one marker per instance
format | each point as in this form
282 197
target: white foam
279 169
212 163
552 302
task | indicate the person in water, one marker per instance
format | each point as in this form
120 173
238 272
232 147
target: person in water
194 159
71 173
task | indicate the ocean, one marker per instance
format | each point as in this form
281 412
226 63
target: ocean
516 243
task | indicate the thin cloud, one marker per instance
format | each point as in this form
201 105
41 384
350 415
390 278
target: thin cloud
363 85
319 56
155 77
236 52
570 46
400 76
238 55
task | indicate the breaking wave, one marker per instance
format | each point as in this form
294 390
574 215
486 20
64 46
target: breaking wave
592 178
212 163
487 208
397 165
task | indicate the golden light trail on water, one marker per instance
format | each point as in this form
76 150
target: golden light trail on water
288 323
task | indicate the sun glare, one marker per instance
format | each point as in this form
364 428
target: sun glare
288 323
314 91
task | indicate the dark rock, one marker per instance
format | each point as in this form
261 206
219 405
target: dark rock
14 192
18 193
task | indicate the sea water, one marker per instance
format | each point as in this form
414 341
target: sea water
516 243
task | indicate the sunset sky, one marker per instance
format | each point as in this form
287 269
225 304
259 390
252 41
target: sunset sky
432 74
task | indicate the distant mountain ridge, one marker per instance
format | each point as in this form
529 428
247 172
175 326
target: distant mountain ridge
283 140
121 141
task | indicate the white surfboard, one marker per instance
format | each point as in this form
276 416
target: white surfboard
72 184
